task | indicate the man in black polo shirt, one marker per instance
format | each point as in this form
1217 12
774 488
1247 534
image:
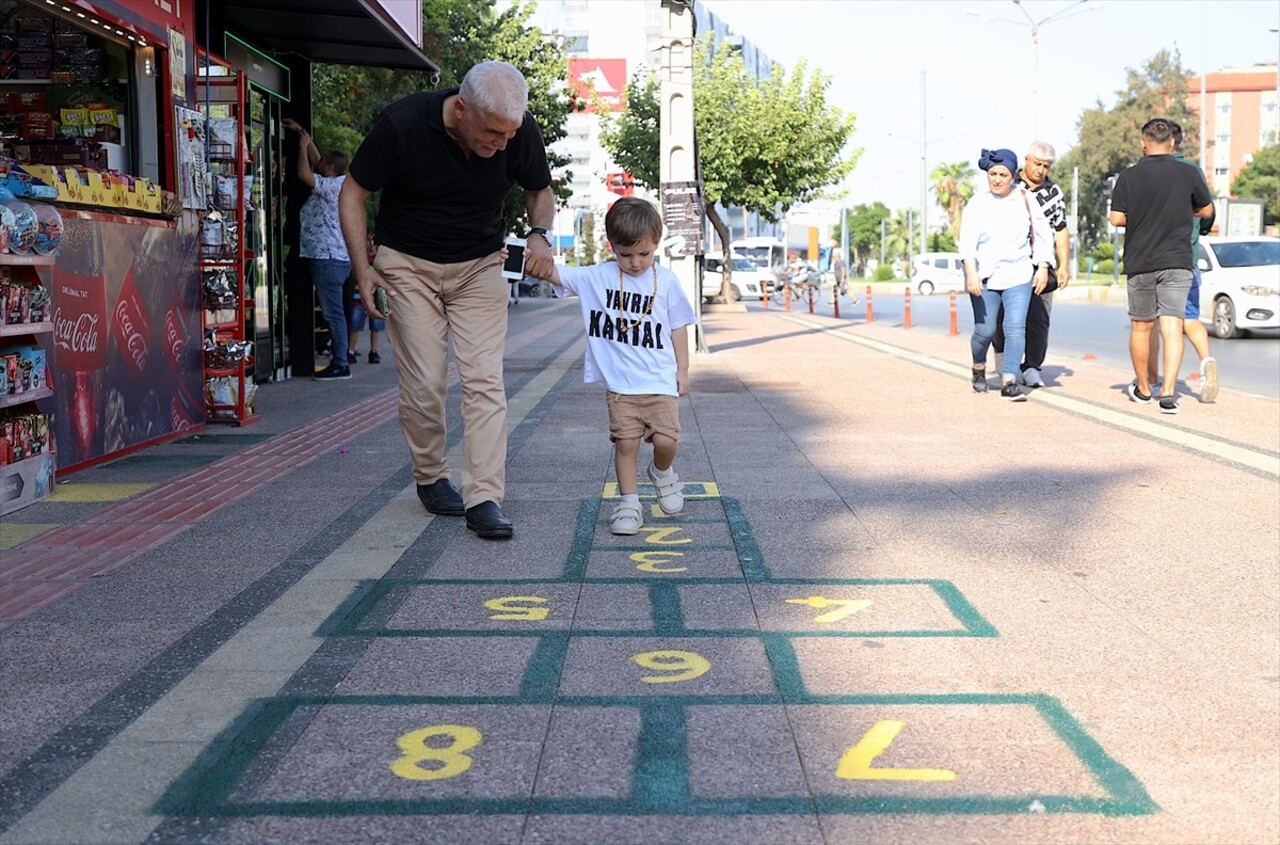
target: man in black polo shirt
1151 201
445 162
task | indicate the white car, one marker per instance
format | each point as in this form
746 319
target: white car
1239 283
932 271
747 279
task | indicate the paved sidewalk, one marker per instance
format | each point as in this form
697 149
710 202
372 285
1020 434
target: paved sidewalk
891 611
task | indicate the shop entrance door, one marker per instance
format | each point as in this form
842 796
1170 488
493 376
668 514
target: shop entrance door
266 228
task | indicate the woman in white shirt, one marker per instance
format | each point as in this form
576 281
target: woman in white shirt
1006 245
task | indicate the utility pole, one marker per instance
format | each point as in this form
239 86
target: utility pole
924 173
682 209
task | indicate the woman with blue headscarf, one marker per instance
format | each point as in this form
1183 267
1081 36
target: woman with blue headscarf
1006 245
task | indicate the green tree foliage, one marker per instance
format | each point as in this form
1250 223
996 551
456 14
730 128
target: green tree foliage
1260 180
632 136
898 235
457 34
953 185
1111 139
942 242
864 230
763 144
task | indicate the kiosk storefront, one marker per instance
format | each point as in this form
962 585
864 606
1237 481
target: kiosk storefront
92 96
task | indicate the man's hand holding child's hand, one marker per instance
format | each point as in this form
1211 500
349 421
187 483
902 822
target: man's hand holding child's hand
541 267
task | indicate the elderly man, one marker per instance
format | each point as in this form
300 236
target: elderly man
445 162
1035 176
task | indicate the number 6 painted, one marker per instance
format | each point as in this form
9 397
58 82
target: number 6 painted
683 666
451 757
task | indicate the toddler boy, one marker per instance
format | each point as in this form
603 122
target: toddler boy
636 316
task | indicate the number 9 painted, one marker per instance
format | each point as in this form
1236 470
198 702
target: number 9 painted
682 666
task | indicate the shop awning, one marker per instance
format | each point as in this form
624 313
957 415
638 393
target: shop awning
345 32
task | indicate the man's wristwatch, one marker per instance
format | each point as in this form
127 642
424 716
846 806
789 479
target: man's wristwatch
540 232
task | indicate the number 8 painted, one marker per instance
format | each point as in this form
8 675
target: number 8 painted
416 752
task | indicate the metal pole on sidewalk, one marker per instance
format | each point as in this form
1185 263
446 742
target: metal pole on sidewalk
835 299
955 329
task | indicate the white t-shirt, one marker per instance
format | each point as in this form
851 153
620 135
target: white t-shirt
321 234
641 360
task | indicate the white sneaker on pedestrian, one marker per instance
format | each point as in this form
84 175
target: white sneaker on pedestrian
1031 377
669 490
626 518
1208 380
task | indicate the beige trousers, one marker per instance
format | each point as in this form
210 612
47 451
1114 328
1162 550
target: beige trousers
430 304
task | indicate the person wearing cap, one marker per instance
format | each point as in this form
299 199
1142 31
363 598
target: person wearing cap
1006 246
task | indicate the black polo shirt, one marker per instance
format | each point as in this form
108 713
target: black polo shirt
1158 196
438 203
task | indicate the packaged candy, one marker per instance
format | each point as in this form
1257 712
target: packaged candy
24 229
49 234
6 222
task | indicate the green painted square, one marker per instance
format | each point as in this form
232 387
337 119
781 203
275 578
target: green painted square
334 757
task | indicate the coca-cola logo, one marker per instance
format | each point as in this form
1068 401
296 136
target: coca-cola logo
173 336
131 336
79 335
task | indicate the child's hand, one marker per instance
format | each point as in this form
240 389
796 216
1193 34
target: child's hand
682 383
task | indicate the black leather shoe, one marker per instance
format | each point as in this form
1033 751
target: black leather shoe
487 521
441 497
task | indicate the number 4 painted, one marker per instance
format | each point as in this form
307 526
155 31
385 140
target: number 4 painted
843 607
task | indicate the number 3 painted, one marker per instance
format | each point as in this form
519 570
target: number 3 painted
451 757
684 666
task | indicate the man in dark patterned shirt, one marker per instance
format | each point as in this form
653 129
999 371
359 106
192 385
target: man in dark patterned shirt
1035 176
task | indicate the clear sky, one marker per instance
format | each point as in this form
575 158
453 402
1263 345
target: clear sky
978 71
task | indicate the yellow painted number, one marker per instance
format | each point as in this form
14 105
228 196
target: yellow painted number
856 762
514 607
681 666
659 536
650 561
843 607
451 758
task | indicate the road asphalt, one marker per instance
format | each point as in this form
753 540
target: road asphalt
891 611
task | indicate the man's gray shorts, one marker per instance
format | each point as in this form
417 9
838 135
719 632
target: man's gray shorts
1159 293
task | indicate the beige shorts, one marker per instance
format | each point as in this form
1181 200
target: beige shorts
642 416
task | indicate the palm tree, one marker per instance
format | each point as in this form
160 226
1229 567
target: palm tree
953 184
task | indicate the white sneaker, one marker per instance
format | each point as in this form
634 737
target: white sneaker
669 490
626 519
1208 380
1031 377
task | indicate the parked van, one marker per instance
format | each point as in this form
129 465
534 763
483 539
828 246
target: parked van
932 271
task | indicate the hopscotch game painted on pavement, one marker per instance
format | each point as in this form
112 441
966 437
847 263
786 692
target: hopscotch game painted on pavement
661 674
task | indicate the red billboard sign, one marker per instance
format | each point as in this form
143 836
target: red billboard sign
599 81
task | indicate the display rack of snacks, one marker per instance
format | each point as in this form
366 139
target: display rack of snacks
224 256
26 443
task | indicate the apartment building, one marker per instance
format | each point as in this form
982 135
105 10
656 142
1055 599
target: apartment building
1242 116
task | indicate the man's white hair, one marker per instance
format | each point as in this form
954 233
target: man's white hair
496 89
1043 151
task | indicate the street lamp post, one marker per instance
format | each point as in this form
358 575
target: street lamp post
1067 11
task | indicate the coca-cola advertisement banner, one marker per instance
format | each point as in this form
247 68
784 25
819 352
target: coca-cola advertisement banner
126 335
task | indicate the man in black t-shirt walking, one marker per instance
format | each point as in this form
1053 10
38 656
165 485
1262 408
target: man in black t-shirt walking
1151 200
445 162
